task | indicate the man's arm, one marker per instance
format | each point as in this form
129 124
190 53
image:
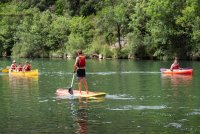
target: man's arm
75 65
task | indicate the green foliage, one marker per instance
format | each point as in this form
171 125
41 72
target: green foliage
108 53
42 5
75 42
59 30
94 48
34 38
121 53
167 34
111 22
81 26
9 20
158 29
82 7
137 46
61 6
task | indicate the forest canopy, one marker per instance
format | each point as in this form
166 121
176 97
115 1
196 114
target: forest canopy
146 29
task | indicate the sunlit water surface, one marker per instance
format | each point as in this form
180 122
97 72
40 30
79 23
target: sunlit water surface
139 99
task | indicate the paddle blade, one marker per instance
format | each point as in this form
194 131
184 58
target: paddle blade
70 91
187 68
162 69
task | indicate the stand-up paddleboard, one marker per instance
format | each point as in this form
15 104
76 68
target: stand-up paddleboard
76 93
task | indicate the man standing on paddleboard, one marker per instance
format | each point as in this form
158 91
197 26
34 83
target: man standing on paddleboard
79 68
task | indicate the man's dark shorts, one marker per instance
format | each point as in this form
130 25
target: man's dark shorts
80 73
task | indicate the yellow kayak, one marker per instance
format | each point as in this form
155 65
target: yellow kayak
5 70
28 73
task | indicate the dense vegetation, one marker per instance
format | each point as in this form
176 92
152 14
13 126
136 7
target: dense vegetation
158 29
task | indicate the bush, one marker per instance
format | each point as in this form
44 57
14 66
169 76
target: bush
121 54
107 53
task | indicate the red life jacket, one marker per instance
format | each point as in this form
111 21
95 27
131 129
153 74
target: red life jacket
19 68
13 66
27 68
176 67
81 61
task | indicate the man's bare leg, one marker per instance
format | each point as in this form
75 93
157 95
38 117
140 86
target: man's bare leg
86 85
80 86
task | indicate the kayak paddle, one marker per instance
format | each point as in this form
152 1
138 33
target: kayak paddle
70 90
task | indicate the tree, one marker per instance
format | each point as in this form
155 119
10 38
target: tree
9 21
81 34
167 35
138 39
112 20
82 7
190 20
33 36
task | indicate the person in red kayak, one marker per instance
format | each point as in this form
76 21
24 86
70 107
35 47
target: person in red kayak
175 64
13 66
27 67
79 68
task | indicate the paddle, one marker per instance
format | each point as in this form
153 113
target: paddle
163 69
70 90
187 68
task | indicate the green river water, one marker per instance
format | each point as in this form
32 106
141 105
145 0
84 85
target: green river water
139 100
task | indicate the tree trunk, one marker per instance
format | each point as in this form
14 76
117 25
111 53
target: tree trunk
118 35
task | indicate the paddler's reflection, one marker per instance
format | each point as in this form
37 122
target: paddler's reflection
176 80
23 82
80 116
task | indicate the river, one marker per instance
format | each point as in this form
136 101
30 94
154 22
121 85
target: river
139 99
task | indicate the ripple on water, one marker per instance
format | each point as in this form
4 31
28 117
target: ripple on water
194 112
119 97
102 73
99 73
41 101
140 72
176 125
131 107
125 72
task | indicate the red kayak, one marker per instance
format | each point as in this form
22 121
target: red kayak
186 71
76 93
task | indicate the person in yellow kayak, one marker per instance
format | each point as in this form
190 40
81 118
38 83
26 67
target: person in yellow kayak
175 64
79 68
19 67
13 66
27 67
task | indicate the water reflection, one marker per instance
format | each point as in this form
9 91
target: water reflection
79 109
5 78
176 80
21 82
80 115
